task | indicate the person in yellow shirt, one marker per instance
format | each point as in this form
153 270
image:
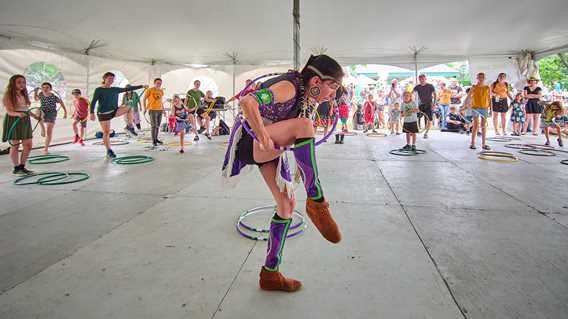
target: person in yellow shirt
480 103
153 103
500 106
445 96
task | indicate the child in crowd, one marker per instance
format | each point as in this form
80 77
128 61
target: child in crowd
48 101
369 113
394 119
17 128
132 100
80 116
517 114
344 115
553 117
466 112
181 114
455 122
380 111
480 103
410 126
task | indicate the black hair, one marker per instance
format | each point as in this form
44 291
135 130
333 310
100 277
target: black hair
497 81
324 64
157 79
48 84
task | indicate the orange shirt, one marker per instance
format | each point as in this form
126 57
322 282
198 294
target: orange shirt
154 101
501 90
480 97
445 96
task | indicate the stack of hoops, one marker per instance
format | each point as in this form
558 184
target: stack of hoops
261 234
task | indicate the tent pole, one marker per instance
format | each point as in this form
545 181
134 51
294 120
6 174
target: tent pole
415 67
415 52
88 76
296 34
234 89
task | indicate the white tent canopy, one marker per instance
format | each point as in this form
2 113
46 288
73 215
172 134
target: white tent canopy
260 32
182 41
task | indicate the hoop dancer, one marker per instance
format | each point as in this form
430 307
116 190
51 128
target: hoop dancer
279 113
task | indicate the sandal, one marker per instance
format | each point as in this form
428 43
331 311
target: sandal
472 147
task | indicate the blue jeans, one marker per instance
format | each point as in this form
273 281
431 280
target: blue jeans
444 109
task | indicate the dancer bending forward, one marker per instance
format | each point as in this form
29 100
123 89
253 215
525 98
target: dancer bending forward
279 113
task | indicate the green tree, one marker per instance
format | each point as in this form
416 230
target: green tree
463 69
554 69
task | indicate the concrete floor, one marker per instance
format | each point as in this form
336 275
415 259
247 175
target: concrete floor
442 235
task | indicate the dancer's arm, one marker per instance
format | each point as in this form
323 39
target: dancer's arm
281 92
132 88
93 104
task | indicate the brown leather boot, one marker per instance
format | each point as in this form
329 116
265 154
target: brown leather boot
274 280
320 215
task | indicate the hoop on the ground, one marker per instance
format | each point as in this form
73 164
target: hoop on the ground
49 180
498 156
519 146
537 152
114 142
156 148
132 159
377 134
25 180
542 147
503 139
262 233
176 144
48 159
403 152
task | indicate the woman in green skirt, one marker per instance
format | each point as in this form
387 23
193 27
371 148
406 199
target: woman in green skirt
17 124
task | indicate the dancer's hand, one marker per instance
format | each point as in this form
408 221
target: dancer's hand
92 116
265 142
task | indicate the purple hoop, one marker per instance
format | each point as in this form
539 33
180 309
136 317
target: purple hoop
251 132
264 230
301 225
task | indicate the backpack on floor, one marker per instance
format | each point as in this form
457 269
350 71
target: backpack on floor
99 134
223 128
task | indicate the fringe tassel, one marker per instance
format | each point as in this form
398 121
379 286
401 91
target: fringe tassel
228 180
284 183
